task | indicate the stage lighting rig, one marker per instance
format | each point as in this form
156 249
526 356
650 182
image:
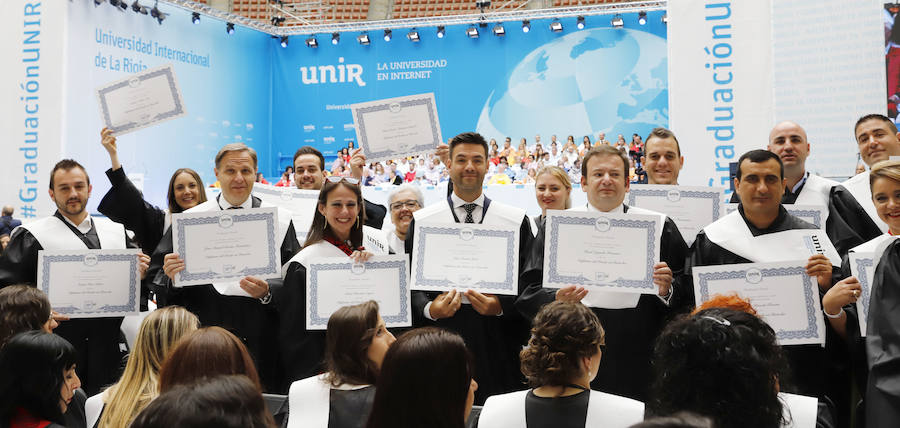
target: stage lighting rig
556 26
483 4
642 18
229 28
277 20
137 8
363 39
387 35
121 5
195 17
665 18
440 32
284 41
310 42
472 32
98 2
617 22
335 38
413 35
580 23
499 30
526 26
157 14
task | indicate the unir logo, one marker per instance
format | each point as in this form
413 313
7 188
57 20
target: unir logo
342 73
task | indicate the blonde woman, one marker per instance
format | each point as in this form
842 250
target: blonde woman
119 404
553 191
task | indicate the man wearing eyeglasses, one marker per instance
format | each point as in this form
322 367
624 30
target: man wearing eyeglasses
252 319
403 202
309 173
491 326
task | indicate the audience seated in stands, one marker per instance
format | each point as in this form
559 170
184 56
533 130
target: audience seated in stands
207 352
24 308
159 332
560 361
37 381
225 401
355 345
425 381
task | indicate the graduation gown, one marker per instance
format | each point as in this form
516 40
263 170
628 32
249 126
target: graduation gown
315 403
852 214
374 214
883 343
95 339
631 321
302 350
256 324
723 242
495 341
599 410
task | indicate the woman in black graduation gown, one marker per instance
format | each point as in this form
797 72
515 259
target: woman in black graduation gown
336 231
562 358
357 341
553 190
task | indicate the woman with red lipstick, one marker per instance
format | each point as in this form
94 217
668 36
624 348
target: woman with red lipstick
37 380
552 189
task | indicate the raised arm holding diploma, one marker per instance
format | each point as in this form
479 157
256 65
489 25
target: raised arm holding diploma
141 100
397 127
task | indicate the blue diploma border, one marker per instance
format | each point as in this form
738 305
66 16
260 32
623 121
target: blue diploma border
716 197
125 127
862 264
364 138
273 192
508 284
809 332
816 215
555 277
271 267
313 296
105 309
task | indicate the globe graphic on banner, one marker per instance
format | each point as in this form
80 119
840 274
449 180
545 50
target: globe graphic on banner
589 81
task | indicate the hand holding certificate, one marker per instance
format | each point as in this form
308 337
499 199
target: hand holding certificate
300 202
601 251
397 127
141 100
783 294
691 208
466 256
91 283
222 246
332 283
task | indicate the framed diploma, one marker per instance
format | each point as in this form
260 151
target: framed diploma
691 208
300 202
141 100
814 214
466 256
397 127
221 246
91 283
332 283
783 294
862 266
601 251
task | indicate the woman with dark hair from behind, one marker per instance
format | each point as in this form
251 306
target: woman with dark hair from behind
207 352
24 308
37 380
355 344
226 401
560 361
678 420
425 381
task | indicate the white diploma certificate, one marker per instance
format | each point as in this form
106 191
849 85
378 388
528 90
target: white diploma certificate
795 244
783 294
691 208
140 100
300 202
813 214
227 245
601 251
375 241
91 283
466 256
332 283
397 127
862 266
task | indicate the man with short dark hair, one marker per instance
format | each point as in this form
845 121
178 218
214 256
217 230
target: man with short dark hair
662 160
491 326
7 223
70 228
730 240
249 316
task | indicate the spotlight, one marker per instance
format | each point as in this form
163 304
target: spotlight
499 30
440 32
472 32
310 42
617 22
277 20
284 41
642 18
195 17
137 8
120 4
556 26
413 35
665 18
363 39
335 38
229 28
157 14
387 35
98 2
580 23
526 26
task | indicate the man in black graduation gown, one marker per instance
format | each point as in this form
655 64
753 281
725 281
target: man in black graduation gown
877 140
760 184
492 328
631 321
251 319
95 339
883 343
309 174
